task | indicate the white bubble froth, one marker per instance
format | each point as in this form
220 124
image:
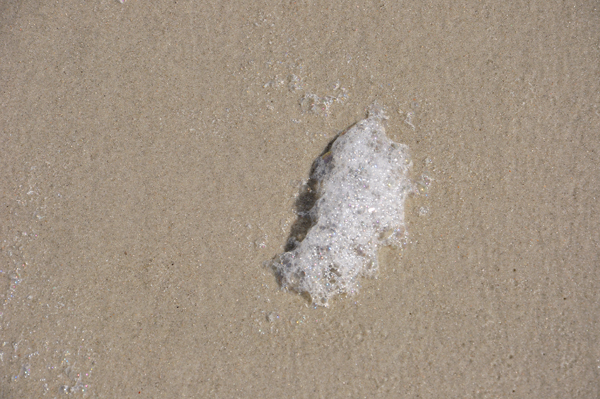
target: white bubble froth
361 185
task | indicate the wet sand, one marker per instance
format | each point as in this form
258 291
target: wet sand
152 152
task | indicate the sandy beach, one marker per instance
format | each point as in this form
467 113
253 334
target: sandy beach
152 154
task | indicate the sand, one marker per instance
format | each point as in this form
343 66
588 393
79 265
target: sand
151 154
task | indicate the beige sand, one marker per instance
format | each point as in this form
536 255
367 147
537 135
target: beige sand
151 151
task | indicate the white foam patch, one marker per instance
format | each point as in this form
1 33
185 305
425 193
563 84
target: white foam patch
361 185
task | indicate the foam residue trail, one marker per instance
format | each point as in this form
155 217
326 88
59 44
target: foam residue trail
358 191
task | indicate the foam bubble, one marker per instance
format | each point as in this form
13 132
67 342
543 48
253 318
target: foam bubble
354 205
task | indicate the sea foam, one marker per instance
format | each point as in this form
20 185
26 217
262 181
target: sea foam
354 204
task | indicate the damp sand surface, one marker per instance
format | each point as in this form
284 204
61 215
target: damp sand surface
152 155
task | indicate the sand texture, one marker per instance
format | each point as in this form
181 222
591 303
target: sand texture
152 154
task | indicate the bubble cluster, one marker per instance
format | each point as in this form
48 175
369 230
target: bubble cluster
355 200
